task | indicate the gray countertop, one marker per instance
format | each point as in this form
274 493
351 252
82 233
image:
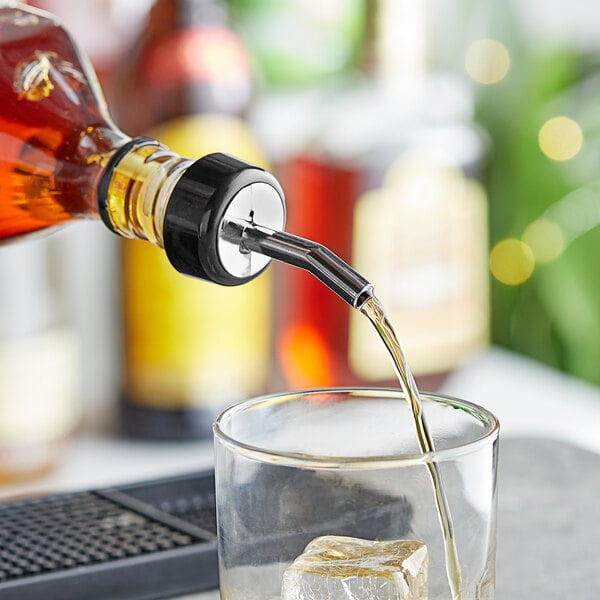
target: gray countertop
548 545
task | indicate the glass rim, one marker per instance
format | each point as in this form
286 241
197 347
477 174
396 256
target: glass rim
262 454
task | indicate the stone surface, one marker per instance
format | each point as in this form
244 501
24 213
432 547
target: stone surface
548 545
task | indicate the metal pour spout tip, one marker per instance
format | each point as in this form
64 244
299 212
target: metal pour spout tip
363 296
305 254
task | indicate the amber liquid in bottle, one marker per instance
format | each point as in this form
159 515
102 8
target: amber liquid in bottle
55 132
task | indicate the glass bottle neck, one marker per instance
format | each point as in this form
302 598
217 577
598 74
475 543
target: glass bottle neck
394 49
136 187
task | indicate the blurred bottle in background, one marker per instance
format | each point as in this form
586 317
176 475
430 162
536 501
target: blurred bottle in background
188 83
388 182
40 395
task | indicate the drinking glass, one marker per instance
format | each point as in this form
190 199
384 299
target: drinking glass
345 462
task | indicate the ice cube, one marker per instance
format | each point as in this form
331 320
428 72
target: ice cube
346 568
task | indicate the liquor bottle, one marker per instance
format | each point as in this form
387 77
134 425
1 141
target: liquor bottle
193 75
62 158
40 391
390 185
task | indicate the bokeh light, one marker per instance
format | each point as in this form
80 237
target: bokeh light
546 240
512 261
487 61
303 353
560 138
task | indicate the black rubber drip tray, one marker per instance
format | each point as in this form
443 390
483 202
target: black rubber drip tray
190 500
147 540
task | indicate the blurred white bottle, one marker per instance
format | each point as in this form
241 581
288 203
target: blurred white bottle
39 362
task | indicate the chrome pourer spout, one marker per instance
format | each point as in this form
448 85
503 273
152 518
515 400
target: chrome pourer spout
299 252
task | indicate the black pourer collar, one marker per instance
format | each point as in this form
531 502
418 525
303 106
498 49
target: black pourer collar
196 211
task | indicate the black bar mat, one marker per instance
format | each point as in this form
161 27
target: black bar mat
143 541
